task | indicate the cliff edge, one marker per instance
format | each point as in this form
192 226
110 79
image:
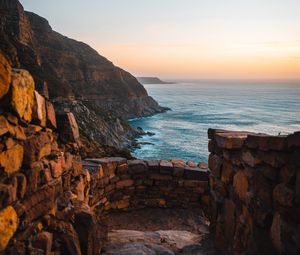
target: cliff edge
101 95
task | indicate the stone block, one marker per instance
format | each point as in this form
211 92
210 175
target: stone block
274 159
276 232
227 172
210 146
56 167
124 184
196 173
17 131
79 188
21 185
211 132
231 140
153 165
269 172
51 117
37 147
235 157
293 140
241 184
229 219
3 125
68 128
34 175
203 165
122 169
263 189
251 159
191 163
43 241
22 94
215 164
5 75
39 110
283 195
192 183
137 166
160 177
166 167
8 194
8 225
11 160
38 204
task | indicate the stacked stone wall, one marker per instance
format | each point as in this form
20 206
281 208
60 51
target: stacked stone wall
42 183
255 192
52 202
118 183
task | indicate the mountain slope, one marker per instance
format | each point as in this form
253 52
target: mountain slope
77 76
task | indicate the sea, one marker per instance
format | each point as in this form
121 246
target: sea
266 107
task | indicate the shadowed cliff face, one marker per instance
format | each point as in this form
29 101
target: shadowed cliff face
75 74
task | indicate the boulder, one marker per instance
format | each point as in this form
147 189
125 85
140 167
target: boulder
22 94
8 226
5 75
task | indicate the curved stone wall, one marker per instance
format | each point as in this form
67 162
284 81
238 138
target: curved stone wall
118 183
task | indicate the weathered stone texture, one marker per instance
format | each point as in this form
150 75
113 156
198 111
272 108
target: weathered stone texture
8 225
254 186
22 94
5 75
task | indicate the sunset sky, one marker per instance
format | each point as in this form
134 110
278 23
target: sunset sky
188 39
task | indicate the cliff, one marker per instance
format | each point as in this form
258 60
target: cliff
77 77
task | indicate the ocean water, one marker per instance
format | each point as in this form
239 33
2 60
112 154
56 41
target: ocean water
264 107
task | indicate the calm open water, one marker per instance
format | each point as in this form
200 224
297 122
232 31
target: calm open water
196 106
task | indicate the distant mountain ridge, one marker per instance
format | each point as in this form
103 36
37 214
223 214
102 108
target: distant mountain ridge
152 80
101 95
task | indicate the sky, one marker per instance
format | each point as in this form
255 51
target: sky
185 39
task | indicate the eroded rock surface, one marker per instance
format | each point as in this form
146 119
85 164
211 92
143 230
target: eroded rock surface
101 95
158 231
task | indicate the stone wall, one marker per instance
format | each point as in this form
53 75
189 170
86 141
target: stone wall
43 208
255 192
118 183
52 202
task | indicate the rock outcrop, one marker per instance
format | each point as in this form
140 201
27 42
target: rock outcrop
44 207
77 76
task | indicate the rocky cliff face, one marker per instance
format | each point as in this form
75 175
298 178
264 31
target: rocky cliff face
76 75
